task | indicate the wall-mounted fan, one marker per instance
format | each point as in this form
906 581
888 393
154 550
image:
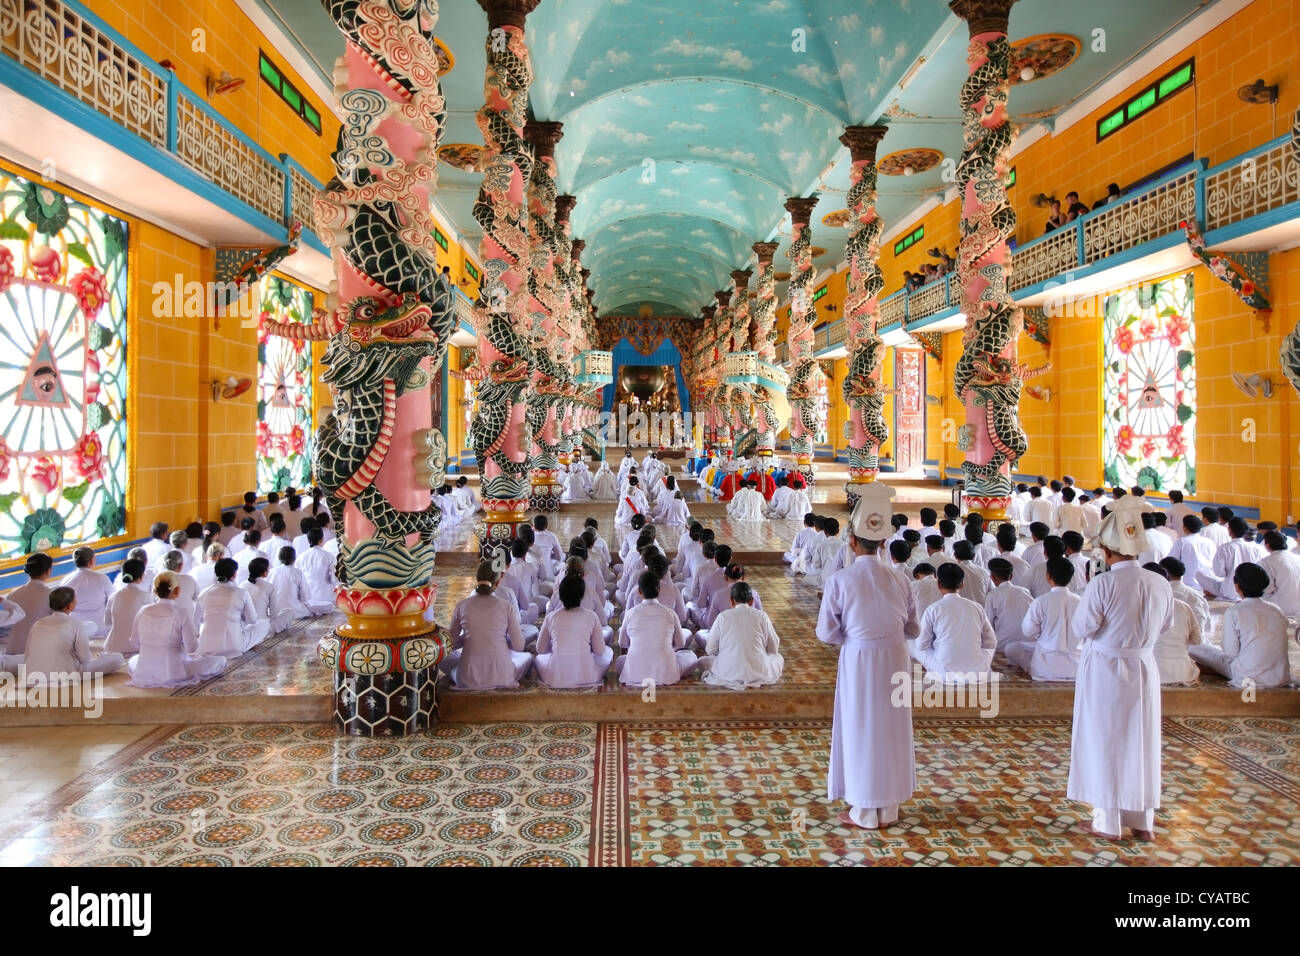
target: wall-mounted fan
934 399
230 387
1253 386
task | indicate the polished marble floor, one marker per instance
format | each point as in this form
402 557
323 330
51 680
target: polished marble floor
577 794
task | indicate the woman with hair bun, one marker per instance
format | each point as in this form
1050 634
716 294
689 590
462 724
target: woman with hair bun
487 644
124 605
228 621
167 642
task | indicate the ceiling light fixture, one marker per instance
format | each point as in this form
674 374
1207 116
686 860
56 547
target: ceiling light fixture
1027 74
911 73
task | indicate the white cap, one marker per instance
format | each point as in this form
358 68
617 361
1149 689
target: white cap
871 515
1121 529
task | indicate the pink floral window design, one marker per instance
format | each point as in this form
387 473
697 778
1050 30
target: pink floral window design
1149 387
283 390
63 369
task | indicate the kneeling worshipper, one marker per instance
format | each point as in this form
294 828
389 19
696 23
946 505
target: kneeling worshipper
93 590
1254 651
1115 740
58 646
164 633
802 540
577 483
1173 659
1050 650
868 612
571 649
632 503
604 487
957 641
1283 569
123 606
743 648
747 504
229 624
671 507
487 646
652 638
779 506
466 498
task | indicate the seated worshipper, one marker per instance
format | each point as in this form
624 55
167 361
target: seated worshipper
250 510
593 599
1038 583
1069 514
900 558
520 578
948 532
627 482
179 541
205 574
1016 506
245 525
1073 542
165 636
1006 604
1091 516
604 486
546 543
743 649
803 539
1174 662
10 614
275 539
915 550
59 645
975 584
747 504
184 589
700 566
592 573
258 586
229 530
708 579
228 622
300 542
139 554
487 644
653 640
124 605
1254 649
1033 553
628 545
935 554
634 564
576 485
671 508
250 550
827 556
466 498
1238 550
1007 543
688 545
602 546
1212 527
1054 497
957 641
448 510
1283 569
1158 545
157 545
625 466
93 590
721 601
317 566
632 503
290 597
669 595
779 506
571 649
199 553
925 587
1040 508
1049 650
1192 597
1196 551
984 546
273 506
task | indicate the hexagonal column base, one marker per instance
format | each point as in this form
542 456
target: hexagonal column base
385 705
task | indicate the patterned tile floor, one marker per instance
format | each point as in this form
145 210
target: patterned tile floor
574 794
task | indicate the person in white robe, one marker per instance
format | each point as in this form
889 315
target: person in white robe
1115 741
205 574
1194 598
10 614
1283 569
1006 604
1212 528
291 598
925 587
956 642
449 510
168 643
466 497
178 540
124 605
1255 636
1091 517
1172 648
653 641
1049 650
183 588
228 622
276 538
868 613
250 550
93 590
157 545
317 566
593 599
803 539
827 555
632 503
258 587
604 486
1158 545
1196 551
747 504
230 529
487 646
58 648
625 467
575 489
779 506
975 580
571 649
743 649
1237 550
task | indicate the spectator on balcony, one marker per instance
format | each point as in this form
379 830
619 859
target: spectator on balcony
1112 195
1057 219
1073 208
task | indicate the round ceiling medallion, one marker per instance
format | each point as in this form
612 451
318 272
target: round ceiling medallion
816 251
445 60
781 276
464 156
908 161
836 219
1038 56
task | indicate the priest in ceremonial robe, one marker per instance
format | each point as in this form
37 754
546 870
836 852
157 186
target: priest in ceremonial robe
1115 742
868 611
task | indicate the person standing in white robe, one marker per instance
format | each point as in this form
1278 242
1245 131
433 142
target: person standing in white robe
571 649
1283 569
868 613
165 635
1050 650
1255 636
653 640
743 649
228 622
604 486
124 605
747 504
93 590
317 566
1006 604
59 645
487 646
1115 741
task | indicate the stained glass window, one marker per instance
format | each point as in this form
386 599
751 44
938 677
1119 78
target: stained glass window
284 390
1149 424
823 411
63 375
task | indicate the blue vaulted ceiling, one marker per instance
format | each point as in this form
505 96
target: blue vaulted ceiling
687 123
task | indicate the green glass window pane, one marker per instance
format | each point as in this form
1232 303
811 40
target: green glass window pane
1176 80
920 232
820 292
310 115
1111 123
270 73
1142 103
291 97
440 239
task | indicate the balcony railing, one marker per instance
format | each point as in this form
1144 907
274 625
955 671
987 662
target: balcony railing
1252 185
73 50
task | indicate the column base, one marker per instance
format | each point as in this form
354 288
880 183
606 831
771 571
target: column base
385 705
546 497
494 536
988 507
